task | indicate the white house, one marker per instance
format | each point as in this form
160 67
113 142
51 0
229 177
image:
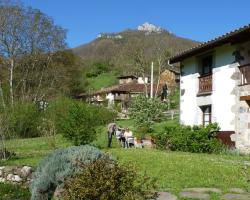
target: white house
215 86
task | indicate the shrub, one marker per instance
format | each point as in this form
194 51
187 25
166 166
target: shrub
53 169
79 120
196 139
6 154
107 180
24 120
145 111
103 115
97 69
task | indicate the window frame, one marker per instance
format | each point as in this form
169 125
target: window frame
204 114
201 66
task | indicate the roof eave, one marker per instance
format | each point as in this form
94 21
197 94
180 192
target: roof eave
206 46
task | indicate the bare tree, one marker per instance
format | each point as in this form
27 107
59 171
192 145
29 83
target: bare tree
28 39
11 39
161 55
140 57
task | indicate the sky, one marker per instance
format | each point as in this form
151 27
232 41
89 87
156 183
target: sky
199 20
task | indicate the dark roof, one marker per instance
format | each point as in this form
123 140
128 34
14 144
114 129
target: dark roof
237 35
123 88
126 76
101 91
135 88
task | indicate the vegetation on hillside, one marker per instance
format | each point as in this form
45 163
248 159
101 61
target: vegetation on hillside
34 62
131 53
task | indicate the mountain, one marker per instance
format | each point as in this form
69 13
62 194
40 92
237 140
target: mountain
111 45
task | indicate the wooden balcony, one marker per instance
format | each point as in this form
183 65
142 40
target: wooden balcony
245 74
205 84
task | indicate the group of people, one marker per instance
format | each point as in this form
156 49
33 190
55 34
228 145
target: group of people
125 136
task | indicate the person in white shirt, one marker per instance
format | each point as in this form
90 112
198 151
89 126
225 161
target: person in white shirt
129 137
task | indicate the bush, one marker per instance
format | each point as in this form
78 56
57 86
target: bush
53 169
145 111
24 120
107 180
195 139
97 69
78 121
6 154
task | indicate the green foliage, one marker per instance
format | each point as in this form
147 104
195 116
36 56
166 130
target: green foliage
196 139
52 170
24 120
10 192
101 81
78 121
97 68
145 111
5 154
175 99
107 180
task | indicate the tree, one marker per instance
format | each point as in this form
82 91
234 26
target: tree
161 55
28 40
145 111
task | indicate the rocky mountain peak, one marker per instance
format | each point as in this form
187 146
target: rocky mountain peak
150 28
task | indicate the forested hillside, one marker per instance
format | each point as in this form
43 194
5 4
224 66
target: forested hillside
130 52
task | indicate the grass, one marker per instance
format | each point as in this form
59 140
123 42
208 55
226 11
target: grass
31 151
173 170
10 192
102 81
177 170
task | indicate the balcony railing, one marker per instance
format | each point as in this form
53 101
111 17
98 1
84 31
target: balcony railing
205 84
245 74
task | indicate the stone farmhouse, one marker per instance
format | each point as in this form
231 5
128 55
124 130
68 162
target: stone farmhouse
129 86
215 86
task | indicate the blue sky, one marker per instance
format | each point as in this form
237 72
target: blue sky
195 19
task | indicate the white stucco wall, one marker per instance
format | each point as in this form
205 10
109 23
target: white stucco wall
189 89
222 98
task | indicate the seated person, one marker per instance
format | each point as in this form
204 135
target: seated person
118 132
122 138
129 137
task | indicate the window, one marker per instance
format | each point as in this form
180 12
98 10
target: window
206 114
206 65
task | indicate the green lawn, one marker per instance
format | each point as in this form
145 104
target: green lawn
177 170
101 81
31 151
11 192
173 170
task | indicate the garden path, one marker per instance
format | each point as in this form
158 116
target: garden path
206 194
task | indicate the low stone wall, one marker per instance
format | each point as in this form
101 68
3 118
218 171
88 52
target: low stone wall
16 174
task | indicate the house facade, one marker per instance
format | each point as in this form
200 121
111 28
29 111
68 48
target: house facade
121 94
215 86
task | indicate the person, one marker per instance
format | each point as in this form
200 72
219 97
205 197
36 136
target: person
164 92
111 131
122 138
128 137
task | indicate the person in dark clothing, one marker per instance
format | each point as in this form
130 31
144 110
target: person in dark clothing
122 138
164 92
111 131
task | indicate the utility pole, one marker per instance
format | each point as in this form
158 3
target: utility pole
152 80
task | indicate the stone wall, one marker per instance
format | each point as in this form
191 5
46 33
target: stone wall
242 136
16 174
169 78
242 108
